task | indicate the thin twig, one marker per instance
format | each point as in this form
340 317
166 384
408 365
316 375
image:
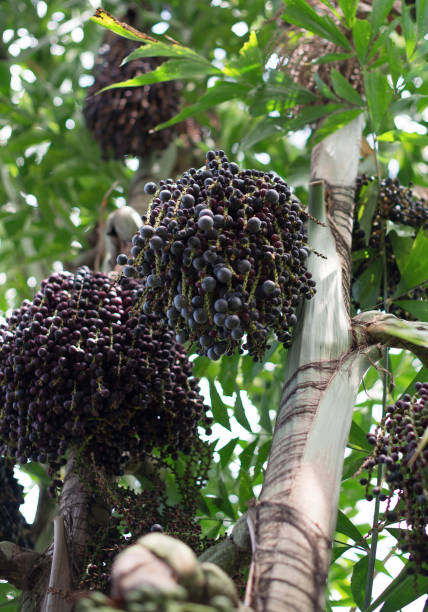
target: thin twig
373 548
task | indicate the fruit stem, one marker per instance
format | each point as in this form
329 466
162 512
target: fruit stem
373 548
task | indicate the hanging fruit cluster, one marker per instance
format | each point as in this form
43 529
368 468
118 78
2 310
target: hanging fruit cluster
121 119
395 203
79 369
223 256
13 526
396 447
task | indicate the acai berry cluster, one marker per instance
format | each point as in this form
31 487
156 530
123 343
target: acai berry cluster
222 255
79 369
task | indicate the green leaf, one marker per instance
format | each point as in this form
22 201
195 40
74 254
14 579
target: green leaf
228 373
278 95
213 532
106 20
311 114
338 551
379 13
157 48
422 17
411 138
226 452
366 288
357 437
369 198
4 78
300 13
202 505
379 95
416 268
361 35
223 501
218 409
409 29
168 71
262 455
248 63
267 127
245 490
352 464
417 308
395 61
349 9
247 454
239 412
403 231
361 255
202 366
172 490
400 592
336 121
249 52
323 88
421 376
266 403
389 136
345 526
11 606
396 532
10 596
358 580
344 89
401 245
36 471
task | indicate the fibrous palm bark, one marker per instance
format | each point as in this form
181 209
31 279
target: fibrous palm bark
295 516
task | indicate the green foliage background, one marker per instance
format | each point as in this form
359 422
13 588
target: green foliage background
52 183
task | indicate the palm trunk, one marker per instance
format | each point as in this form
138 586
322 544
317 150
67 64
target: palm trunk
295 517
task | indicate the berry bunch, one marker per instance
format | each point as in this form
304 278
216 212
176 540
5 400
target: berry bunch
79 369
12 523
121 119
395 203
223 255
395 443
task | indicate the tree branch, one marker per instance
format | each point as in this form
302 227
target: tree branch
374 327
233 554
19 565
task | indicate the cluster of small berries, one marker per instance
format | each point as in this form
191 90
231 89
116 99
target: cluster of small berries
222 256
121 119
396 447
78 368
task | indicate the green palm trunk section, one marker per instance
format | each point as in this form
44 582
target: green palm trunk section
295 516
